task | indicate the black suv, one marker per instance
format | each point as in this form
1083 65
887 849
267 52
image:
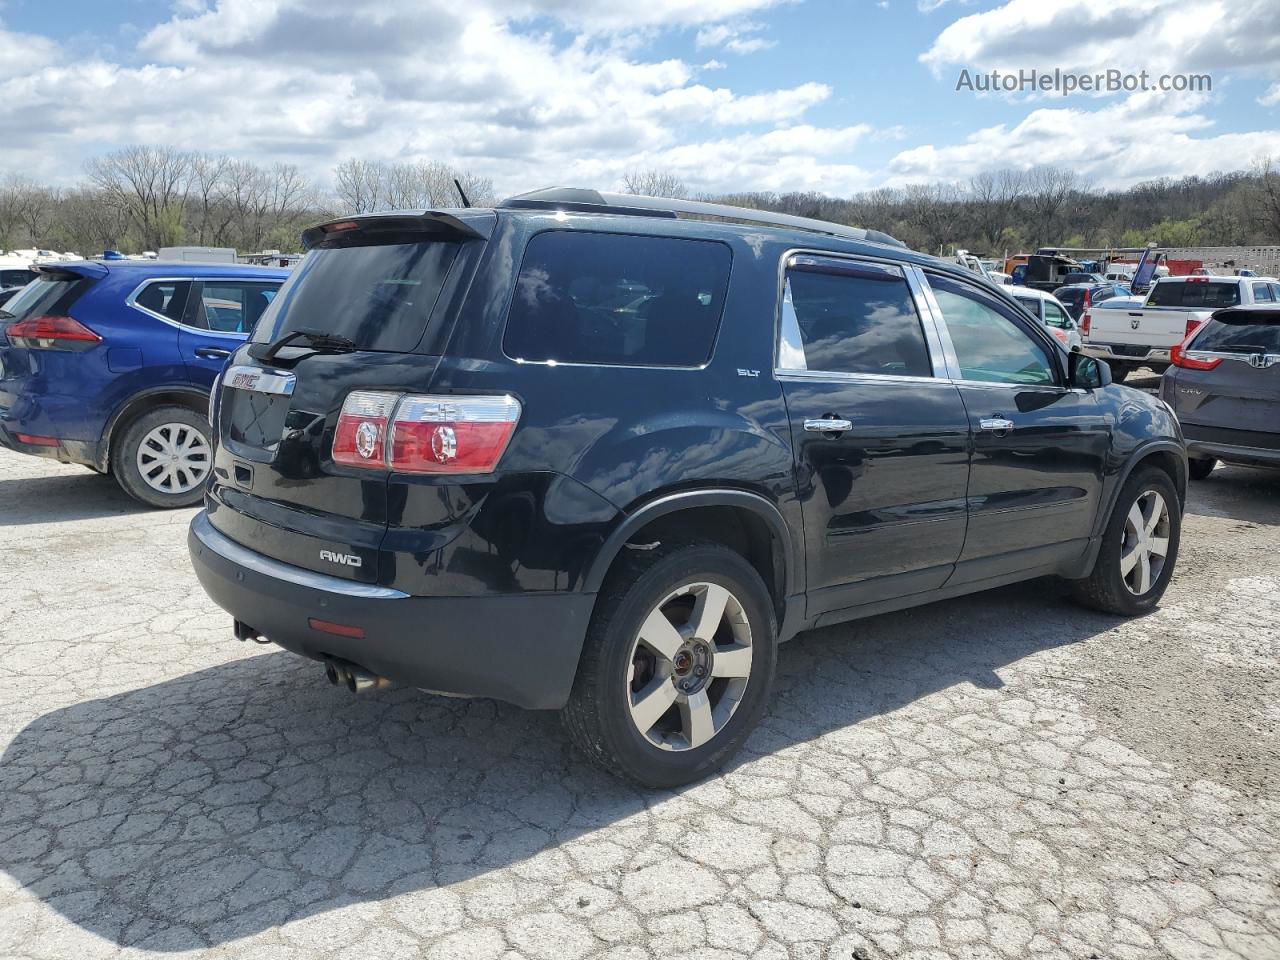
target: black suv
602 454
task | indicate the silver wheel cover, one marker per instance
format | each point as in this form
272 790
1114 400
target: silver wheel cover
1145 544
173 458
689 666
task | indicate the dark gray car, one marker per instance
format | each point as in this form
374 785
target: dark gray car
1224 386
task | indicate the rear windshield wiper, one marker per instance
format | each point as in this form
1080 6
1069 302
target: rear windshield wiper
317 340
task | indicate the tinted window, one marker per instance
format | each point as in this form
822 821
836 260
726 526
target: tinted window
378 296
165 297
1071 297
1262 293
1054 317
51 293
1032 305
617 299
989 345
1194 294
1244 334
863 321
16 278
226 306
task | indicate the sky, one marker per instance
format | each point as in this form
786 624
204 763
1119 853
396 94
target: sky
836 96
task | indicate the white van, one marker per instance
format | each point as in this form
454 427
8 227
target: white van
197 254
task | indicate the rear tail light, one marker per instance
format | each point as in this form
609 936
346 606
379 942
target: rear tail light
38 441
1192 326
361 437
51 332
1179 357
1088 299
452 434
1086 321
424 434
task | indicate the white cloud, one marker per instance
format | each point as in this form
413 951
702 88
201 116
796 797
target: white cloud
483 87
1146 136
741 37
1272 97
1162 36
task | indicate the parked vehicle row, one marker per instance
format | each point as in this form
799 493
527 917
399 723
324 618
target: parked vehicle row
109 364
602 454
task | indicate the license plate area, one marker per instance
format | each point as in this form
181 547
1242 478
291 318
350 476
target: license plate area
255 404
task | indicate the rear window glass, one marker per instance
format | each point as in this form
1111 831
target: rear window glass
16 278
611 298
1245 334
1193 293
51 293
378 296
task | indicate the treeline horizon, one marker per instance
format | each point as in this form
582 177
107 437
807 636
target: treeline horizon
144 198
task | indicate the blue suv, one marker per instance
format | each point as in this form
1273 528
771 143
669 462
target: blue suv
110 364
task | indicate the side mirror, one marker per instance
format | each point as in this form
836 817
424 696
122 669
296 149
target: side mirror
1086 372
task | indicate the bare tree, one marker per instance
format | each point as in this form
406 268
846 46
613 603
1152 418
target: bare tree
89 222
992 198
361 184
931 209
207 175
1047 191
1267 197
150 184
654 183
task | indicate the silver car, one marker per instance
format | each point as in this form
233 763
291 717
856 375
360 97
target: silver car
1224 386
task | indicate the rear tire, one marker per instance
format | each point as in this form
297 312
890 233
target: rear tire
164 457
1199 469
1129 557
666 719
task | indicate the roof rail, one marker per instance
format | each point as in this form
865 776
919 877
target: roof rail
593 201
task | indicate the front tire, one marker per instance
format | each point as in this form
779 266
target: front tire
677 666
164 457
1139 547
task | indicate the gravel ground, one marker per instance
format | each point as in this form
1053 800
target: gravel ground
1004 775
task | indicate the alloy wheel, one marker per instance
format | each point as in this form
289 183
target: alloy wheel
1146 542
689 667
173 458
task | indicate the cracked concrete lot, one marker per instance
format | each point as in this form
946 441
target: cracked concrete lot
1004 776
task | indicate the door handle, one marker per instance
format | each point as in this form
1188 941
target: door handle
828 425
212 353
996 424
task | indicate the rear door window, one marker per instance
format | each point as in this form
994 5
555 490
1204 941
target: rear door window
852 319
379 296
608 298
1262 293
229 306
1197 294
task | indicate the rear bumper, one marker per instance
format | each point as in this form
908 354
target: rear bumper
82 452
1126 353
522 648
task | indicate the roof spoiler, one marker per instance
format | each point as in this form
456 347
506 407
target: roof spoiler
65 269
461 224
593 201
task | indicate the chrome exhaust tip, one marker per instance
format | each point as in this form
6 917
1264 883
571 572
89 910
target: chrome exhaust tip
335 673
358 681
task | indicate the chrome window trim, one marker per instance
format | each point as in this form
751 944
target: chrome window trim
809 375
131 301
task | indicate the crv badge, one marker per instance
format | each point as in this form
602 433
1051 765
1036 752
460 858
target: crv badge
346 559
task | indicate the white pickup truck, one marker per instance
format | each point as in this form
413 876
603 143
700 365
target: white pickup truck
1142 335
